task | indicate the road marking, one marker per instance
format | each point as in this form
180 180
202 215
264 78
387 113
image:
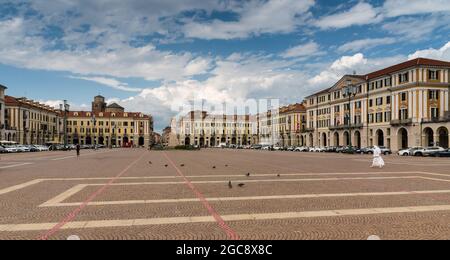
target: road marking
255 181
69 218
20 186
231 234
14 165
58 201
63 196
434 179
211 219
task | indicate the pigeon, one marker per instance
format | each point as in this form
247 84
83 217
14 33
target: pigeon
166 165
248 175
226 165
150 162
278 176
230 185
214 167
241 185
182 165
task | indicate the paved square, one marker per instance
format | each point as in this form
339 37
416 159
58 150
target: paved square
137 194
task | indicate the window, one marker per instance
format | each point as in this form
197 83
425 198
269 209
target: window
337 109
388 82
433 94
379 101
433 75
388 100
358 105
404 77
379 118
403 114
434 112
371 103
404 96
387 116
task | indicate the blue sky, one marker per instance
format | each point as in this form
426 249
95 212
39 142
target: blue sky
155 56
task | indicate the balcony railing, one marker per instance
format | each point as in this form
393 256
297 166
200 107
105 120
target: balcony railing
401 122
310 129
344 127
436 120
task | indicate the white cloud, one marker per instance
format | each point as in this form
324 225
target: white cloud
19 49
415 29
360 14
113 83
394 8
304 50
365 44
285 17
442 53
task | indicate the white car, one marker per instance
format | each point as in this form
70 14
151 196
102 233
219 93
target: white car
427 151
409 151
277 148
301 149
22 149
10 149
266 148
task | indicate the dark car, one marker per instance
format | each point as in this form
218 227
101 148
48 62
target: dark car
349 150
445 153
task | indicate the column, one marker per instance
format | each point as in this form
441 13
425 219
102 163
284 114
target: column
420 105
442 103
410 104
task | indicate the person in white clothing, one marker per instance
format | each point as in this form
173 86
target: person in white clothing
377 159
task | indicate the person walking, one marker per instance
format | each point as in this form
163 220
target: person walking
78 150
377 159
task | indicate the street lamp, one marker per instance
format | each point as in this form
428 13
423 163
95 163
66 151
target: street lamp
65 108
94 120
349 92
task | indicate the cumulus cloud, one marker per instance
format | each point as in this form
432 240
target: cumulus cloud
285 17
442 53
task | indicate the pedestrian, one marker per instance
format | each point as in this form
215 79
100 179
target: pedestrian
78 150
377 159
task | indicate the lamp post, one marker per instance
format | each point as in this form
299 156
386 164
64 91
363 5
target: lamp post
350 91
94 121
65 108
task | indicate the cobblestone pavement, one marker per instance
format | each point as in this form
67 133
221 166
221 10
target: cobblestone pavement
139 194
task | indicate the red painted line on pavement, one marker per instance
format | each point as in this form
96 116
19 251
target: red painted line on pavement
77 211
230 232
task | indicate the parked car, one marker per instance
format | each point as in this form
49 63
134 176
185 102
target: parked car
339 149
301 149
277 148
2 149
290 149
22 149
256 147
409 151
445 153
428 151
266 148
33 148
10 149
349 150
385 150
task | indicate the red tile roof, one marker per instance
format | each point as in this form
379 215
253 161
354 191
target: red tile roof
406 65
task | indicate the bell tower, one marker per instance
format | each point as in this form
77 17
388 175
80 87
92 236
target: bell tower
99 104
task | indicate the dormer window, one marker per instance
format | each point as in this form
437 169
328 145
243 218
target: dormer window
113 114
101 114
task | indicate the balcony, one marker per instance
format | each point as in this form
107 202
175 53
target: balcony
310 129
443 119
345 127
401 122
